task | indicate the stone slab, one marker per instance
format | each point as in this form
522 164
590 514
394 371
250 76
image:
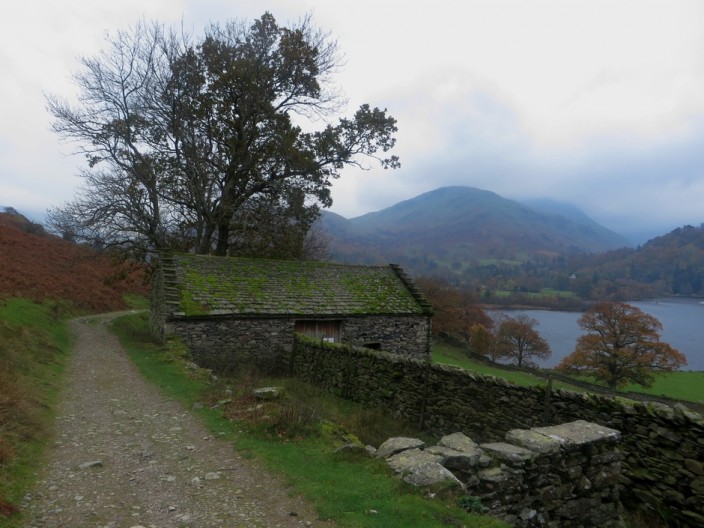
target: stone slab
535 441
410 458
509 452
577 433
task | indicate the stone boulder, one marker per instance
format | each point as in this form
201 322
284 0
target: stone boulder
268 393
421 468
430 474
397 444
405 460
460 452
458 442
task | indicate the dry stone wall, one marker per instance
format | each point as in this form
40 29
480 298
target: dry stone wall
663 447
564 476
556 477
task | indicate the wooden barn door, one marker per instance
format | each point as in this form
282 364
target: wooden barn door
330 331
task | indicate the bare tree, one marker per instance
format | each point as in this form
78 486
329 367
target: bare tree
185 136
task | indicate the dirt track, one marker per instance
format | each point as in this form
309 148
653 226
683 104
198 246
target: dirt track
125 456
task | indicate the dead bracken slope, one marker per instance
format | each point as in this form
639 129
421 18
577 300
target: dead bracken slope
39 266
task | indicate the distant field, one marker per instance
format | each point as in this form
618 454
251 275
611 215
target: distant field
544 292
498 262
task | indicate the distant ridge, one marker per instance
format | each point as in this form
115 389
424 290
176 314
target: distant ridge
451 227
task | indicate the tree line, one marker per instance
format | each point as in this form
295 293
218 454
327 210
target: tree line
672 264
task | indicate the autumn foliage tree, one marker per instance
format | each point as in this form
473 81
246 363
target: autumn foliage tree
457 314
517 339
622 345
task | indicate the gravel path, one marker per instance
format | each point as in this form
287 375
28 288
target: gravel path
125 456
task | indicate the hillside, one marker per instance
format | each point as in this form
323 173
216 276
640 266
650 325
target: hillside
38 266
455 228
672 264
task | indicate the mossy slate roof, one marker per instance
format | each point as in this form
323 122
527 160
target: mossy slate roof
199 285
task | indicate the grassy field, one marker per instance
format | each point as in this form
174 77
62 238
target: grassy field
684 385
34 345
681 385
298 438
451 355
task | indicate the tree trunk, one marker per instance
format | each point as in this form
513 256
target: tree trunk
223 239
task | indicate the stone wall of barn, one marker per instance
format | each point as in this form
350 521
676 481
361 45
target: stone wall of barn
404 335
663 447
229 345
226 344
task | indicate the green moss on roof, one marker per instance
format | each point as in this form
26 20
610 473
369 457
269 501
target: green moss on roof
210 285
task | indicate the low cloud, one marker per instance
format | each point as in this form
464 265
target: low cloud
637 186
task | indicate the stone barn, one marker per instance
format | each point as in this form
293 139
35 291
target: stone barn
235 312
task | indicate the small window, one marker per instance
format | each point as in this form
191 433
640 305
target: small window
374 346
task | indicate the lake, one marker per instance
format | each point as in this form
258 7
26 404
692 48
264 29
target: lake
682 327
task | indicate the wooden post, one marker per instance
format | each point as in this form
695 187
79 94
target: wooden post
548 397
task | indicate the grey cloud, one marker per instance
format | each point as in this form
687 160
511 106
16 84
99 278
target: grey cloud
637 187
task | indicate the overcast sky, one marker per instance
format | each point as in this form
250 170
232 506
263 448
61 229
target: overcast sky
597 103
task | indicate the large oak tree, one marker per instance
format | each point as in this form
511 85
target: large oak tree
186 138
622 345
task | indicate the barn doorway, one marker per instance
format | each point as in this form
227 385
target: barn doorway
326 330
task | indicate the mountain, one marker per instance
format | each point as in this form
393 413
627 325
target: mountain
454 227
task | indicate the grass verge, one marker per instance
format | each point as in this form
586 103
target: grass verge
297 437
34 345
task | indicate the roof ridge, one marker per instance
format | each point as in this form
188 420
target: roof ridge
265 259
